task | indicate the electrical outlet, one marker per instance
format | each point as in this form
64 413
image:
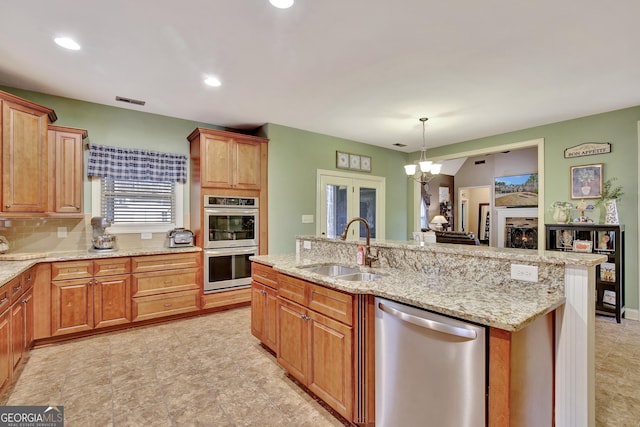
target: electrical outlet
146 236
306 244
62 232
527 273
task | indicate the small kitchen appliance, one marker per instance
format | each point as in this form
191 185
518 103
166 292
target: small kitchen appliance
102 241
179 237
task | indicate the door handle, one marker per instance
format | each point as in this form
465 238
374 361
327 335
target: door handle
429 324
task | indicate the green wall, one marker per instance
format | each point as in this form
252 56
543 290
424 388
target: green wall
620 128
294 157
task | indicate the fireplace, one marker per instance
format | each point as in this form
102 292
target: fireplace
517 228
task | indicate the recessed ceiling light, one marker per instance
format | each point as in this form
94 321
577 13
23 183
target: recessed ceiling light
282 4
212 81
67 43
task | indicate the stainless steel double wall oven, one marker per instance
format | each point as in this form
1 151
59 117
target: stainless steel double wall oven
230 238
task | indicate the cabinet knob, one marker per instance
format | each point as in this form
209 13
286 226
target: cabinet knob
166 282
7 206
168 305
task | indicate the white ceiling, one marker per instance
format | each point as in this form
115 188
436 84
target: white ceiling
359 69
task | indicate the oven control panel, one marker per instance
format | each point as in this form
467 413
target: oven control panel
225 201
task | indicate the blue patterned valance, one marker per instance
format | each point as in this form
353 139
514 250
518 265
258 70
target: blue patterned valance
136 164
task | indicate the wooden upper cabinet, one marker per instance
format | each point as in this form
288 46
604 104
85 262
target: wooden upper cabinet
66 166
227 159
25 171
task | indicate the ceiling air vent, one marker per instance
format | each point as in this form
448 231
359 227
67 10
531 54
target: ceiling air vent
399 144
129 100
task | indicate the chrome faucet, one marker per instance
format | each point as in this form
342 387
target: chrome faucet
368 258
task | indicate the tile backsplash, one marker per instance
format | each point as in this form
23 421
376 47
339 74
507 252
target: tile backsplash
41 235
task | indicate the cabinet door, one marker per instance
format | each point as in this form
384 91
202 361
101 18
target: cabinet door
24 159
5 348
71 306
258 313
112 300
17 333
217 158
246 165
330 373
293 339
28 302
270 331
68 171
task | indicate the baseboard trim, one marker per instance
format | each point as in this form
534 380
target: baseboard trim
631 314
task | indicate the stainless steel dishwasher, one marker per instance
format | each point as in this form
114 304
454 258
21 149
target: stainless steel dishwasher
430 368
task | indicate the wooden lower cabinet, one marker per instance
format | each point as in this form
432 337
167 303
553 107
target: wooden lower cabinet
264 314
87 294
5 348
318 352
164 285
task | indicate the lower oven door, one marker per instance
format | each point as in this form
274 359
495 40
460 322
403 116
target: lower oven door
226 269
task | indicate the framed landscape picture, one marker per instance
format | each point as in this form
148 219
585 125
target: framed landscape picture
516 190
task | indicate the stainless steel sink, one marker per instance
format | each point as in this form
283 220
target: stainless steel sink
359 277
330 269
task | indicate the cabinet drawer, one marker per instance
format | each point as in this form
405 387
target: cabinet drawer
335 304
265 275
5 296
151 307
16 288
165 262
71 270
145 284
292 289
108 266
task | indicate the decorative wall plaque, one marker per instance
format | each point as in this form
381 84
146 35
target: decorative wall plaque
587 149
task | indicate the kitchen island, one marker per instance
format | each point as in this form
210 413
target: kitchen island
474 284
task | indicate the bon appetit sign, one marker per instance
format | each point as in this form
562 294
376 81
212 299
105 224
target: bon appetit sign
587 149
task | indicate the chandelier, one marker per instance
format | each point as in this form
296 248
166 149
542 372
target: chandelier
427 168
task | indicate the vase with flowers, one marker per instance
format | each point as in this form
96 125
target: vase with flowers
610 196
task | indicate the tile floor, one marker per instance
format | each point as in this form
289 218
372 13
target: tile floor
210 371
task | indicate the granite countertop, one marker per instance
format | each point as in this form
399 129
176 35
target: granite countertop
509 306
14 264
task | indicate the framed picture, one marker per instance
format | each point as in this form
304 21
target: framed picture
354 161
516 190
582 245
342 160
606 241
564 239
586 181
365 163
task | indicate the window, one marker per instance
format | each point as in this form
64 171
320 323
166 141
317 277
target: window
138 206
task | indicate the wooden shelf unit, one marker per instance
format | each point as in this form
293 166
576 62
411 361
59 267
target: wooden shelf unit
609 275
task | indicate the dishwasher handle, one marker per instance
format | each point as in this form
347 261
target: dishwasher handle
429 324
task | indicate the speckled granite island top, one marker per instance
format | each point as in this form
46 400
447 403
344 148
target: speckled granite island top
510 306
14 264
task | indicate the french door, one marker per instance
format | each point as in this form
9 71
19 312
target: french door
343 196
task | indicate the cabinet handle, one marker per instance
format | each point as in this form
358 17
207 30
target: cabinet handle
17 288
3 300
28 278
26 300
168 305
166 282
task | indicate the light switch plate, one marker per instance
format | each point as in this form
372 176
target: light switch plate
146 236
307 219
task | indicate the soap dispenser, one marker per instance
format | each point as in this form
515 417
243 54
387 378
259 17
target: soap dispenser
360 255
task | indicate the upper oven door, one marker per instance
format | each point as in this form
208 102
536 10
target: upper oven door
230 227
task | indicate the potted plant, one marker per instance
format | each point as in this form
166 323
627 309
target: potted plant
610 195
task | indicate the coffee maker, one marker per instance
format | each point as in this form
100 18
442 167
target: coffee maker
102 241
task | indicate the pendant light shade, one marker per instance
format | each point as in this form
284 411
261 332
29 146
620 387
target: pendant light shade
427 167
